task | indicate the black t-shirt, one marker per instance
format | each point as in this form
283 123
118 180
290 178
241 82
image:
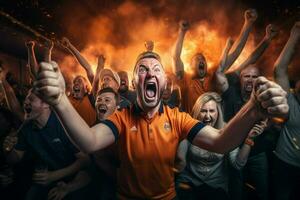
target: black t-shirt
232 101
49 145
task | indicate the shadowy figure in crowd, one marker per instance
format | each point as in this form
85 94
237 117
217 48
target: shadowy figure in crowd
287 152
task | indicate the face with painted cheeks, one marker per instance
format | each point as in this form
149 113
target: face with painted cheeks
150 81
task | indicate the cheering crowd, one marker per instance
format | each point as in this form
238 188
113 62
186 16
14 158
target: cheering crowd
177 135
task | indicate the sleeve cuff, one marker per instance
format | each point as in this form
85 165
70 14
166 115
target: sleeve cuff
113 127
194 131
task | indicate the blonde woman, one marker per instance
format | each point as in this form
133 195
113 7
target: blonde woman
203 173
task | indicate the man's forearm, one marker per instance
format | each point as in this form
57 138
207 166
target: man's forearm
255 55
238 127
75 126
232 135
239 44
178 65
82 179
83 62
281 64
71 169
32 62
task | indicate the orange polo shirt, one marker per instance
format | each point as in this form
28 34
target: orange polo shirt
85 109
147 150
191 89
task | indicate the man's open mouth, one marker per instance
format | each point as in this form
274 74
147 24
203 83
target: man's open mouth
102 109
249 87
123 82
27 109
201 66
150 90
76 89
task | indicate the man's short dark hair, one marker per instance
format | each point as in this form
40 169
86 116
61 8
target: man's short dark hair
107 90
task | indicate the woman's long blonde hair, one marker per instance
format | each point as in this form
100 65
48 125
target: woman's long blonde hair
203 99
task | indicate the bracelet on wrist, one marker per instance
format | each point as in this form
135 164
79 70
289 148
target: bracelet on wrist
249 141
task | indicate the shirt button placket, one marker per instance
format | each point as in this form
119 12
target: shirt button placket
150 132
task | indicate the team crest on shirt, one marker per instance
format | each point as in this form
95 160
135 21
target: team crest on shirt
133 129
167 126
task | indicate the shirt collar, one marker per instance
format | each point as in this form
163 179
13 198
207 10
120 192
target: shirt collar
138 110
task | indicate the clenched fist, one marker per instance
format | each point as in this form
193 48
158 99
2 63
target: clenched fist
149 45
30 44
66 42
270 98
50 84
250 15
271 31
184 25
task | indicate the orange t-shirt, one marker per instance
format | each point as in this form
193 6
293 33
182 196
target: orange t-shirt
85 109
147 150
191 89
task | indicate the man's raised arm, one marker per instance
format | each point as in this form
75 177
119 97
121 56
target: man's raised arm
31 62
50 86
271 32
100 66
281 64
178 65
250 17
221 79
48 50
82 61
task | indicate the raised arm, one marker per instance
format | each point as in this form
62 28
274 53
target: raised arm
269 100
12 101
282 62
50 86
221 79
32 62
48 177
48 50
82 61
100 66
250 17
271 32
178 65
239 159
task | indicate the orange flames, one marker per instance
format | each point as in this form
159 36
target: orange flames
121 46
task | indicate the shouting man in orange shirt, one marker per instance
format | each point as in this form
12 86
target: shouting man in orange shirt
148 132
